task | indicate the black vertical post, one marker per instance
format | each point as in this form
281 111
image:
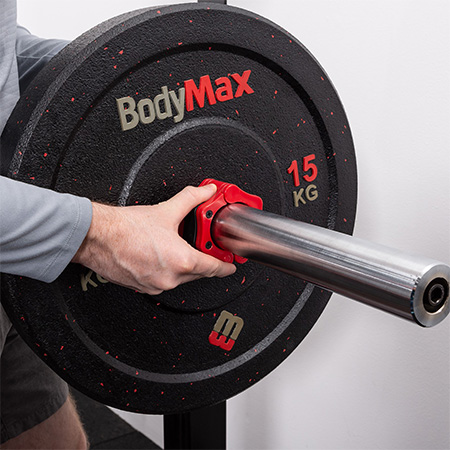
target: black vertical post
202 429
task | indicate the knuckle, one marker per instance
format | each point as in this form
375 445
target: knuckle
186 265
154 291
190 191
212 270
167 283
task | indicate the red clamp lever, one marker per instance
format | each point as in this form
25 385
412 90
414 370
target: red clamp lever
204 215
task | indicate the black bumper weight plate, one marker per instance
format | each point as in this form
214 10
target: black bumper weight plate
267 103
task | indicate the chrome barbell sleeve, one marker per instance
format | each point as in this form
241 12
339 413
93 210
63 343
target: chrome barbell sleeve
409 286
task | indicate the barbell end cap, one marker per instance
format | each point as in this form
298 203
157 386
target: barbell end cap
430 300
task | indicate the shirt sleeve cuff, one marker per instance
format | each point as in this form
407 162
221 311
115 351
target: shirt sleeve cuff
79 229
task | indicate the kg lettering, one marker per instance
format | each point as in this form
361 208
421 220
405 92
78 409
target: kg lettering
171 104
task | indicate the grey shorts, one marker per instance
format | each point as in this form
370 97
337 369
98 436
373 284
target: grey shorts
30 392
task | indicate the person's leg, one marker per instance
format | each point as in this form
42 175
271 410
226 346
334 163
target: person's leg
62 430
34 408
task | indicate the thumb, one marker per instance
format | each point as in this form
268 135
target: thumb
186 200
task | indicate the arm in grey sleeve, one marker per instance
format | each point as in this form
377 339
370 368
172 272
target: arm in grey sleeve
33 53
40 230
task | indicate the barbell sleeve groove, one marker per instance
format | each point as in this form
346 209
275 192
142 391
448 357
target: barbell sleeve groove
413 287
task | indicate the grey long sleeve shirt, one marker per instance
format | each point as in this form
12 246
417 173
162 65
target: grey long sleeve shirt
40 230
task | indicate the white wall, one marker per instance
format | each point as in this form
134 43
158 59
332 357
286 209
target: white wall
361 379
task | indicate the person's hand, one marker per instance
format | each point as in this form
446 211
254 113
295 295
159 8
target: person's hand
139 246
